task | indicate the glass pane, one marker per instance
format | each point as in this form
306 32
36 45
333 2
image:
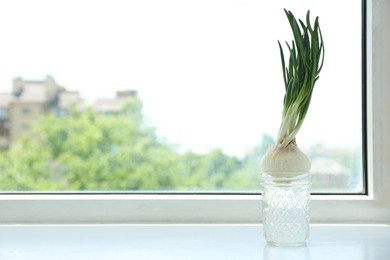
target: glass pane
173 95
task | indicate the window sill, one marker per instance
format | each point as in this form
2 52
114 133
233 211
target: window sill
178 209
187 242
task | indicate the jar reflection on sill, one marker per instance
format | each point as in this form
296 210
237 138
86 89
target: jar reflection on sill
290 253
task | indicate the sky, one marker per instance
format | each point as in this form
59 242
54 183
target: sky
207 71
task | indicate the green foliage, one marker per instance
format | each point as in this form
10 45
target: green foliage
304 65
209 171
90 151
87 151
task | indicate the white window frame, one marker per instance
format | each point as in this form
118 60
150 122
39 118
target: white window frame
127 208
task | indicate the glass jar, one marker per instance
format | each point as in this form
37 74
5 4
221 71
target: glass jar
286 201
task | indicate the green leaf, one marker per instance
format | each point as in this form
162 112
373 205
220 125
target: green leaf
300 74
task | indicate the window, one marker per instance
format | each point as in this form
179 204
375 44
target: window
3 113
26 110
152 208
208 75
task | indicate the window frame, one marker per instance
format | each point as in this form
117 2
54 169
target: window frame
374 207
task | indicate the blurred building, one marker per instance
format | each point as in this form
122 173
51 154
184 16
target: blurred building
31 99
114 105
327 174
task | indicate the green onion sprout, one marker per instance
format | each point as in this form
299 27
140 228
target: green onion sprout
305 61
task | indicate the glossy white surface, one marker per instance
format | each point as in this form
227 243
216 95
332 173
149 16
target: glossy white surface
187 242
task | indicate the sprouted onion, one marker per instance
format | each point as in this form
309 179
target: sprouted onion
304 65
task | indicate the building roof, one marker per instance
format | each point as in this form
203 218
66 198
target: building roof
113 105
324 165
67 99
33 91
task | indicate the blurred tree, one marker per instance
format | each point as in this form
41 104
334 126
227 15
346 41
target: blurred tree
207 172
248 177
90 151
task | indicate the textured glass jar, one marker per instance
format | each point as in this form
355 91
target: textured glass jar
286 206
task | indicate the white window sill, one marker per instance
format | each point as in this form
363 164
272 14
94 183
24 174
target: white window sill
179 209
187 242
